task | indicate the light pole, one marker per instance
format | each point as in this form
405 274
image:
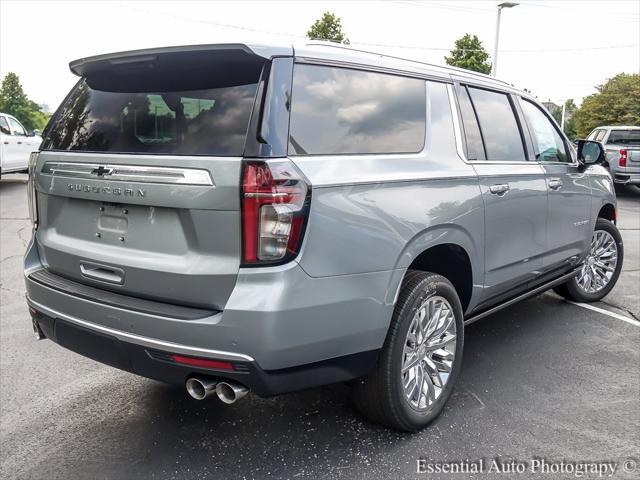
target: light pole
494 67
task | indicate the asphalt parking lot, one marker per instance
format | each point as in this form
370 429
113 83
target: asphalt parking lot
542 379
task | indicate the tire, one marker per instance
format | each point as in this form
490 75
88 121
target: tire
381 397
578 288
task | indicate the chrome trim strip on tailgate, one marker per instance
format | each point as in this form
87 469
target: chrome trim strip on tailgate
144 341
129 173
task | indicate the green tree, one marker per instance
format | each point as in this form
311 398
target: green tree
15 102
469 53
328 28
616 103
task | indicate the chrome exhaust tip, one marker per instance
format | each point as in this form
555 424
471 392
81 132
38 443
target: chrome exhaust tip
200 388
230 392
37 331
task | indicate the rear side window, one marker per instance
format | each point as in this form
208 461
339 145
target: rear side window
625 137
127 116
600 135
498 124
593 134
344 111
548 145
475 149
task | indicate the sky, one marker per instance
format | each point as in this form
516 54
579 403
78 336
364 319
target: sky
556 49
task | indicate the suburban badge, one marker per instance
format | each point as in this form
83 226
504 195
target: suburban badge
124 192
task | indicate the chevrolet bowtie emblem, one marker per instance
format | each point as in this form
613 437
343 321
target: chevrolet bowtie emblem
101 171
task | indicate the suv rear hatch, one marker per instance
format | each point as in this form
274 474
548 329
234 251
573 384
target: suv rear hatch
139 176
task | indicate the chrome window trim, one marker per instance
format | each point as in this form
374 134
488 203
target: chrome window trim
129 173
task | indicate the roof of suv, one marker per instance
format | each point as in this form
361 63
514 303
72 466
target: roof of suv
316 50
345 53
628 127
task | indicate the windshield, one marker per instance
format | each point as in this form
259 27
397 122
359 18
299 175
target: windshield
628 137
130 117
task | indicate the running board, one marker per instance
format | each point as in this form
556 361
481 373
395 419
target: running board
524 296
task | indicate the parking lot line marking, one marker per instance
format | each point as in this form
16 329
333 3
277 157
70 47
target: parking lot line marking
607 312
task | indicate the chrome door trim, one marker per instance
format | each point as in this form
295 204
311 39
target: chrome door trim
129 173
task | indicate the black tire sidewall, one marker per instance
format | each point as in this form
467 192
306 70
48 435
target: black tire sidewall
433 285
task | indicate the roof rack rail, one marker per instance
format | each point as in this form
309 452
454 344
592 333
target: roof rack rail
444 67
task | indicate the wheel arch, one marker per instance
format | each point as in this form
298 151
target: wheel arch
450 251
452 262
608 212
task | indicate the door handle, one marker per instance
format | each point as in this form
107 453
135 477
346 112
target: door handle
19 143
102 273
6 143
555 184
499 189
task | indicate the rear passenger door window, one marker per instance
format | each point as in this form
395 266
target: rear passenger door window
548 145
338 111
498 124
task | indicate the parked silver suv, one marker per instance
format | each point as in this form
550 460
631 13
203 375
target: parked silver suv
622 146
240 217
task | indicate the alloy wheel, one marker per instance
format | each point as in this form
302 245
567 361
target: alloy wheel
429 352
599 266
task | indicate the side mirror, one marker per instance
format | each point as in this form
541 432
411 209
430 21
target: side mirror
33 133
590 152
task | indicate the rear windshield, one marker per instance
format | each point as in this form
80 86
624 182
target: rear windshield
625 136
166 117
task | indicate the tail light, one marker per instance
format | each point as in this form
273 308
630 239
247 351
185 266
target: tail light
623 158
31 190
275 207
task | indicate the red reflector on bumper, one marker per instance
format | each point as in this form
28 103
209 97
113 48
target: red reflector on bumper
202 362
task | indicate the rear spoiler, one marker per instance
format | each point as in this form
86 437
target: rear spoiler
152 57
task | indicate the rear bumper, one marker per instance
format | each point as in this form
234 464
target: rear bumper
627 178
112 349
281 329
629 175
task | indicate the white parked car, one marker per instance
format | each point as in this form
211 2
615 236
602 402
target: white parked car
15 144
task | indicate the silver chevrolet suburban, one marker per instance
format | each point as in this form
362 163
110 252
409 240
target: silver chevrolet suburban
248 217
